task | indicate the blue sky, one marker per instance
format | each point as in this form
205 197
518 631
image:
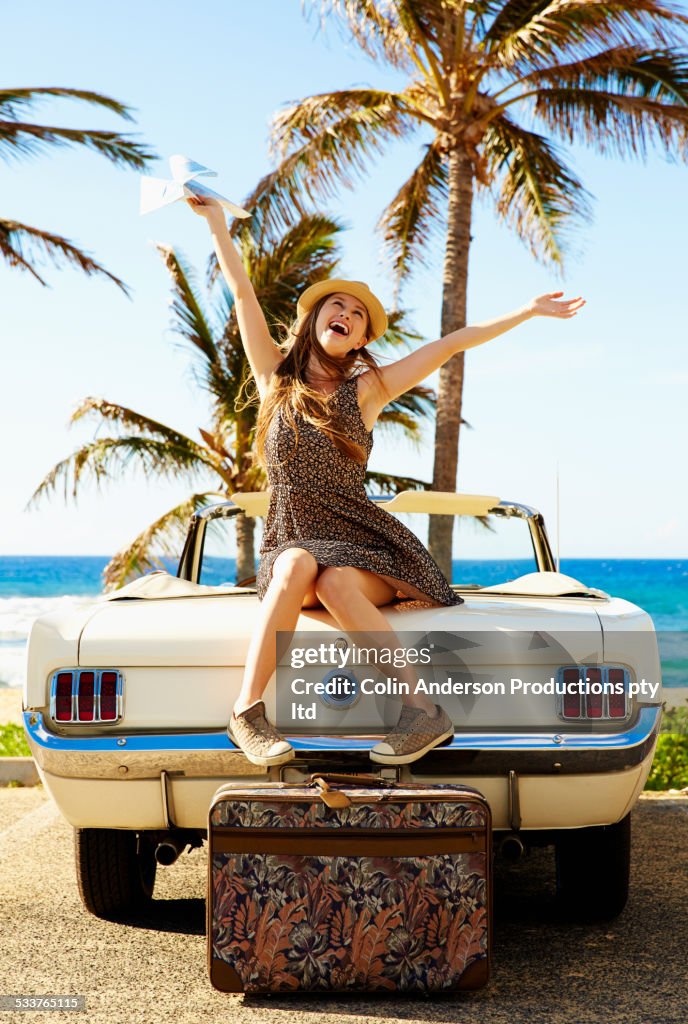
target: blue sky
600 397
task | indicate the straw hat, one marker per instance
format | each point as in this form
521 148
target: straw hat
359 290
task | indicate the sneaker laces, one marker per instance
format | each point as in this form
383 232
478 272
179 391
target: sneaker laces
256 716
407 722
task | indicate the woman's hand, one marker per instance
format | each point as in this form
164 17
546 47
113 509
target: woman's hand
545 305
205 207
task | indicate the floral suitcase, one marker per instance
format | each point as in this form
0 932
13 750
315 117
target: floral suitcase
348 883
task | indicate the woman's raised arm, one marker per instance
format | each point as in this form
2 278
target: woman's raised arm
261 351
405 373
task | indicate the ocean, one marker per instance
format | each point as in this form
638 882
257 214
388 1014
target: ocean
33 585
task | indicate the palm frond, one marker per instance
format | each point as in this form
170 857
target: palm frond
423 23
355 115
419 401
166 535
407 412
232 368
373 24
221 369
107 458
416 213
280 269
392 483
527 34
325 146
305 254
215 443
14 100
631 70
21 245
616 125
270 247
310 243
189 319
481 17
129 419
401 422
252 478
399 333
20 139
538 196
621 100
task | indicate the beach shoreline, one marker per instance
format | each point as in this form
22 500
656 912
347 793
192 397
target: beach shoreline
675 696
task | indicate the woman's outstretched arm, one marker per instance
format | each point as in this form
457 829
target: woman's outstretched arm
405 373
261 351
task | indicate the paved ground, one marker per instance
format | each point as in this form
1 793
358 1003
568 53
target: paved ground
544 971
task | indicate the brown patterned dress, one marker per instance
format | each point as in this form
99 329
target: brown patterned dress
319 503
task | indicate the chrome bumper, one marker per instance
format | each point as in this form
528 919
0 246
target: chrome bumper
211 754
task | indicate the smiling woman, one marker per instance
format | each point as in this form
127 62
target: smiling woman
325 544
352 321
355 303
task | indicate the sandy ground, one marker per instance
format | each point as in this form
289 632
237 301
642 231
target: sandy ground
10 706
152 970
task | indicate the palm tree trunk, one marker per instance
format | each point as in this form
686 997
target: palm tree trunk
450 392
245 525
246 561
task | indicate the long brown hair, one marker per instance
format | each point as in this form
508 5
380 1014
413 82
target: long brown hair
290 393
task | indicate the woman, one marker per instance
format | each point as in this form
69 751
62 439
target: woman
325 543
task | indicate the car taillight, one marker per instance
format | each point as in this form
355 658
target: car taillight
86 696
571 700
85 701
108 696
592 692
63 697
617 701
593 698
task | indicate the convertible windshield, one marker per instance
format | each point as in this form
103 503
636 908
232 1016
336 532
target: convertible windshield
490 550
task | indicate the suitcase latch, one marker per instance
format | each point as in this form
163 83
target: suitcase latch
329 796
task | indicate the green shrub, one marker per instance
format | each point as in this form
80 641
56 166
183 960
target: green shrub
13 741
675 720
670 765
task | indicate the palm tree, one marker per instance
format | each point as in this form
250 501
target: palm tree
482 76
21 244
279 268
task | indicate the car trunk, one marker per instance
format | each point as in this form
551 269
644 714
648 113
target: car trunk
182 661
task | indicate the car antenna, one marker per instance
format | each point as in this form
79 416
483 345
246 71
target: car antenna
557 558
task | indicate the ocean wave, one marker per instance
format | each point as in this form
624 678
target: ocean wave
17 614
12 664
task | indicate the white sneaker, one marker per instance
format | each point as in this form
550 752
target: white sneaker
260 741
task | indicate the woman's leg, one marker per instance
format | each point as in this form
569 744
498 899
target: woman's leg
293 576
352 597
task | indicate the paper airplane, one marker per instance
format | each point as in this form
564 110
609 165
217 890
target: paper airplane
159 192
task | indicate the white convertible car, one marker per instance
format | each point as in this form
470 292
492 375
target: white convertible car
554 688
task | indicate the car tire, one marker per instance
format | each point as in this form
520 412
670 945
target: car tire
593 870
115 871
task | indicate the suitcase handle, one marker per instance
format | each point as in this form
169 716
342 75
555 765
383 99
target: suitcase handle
373 781
335 797
330 797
